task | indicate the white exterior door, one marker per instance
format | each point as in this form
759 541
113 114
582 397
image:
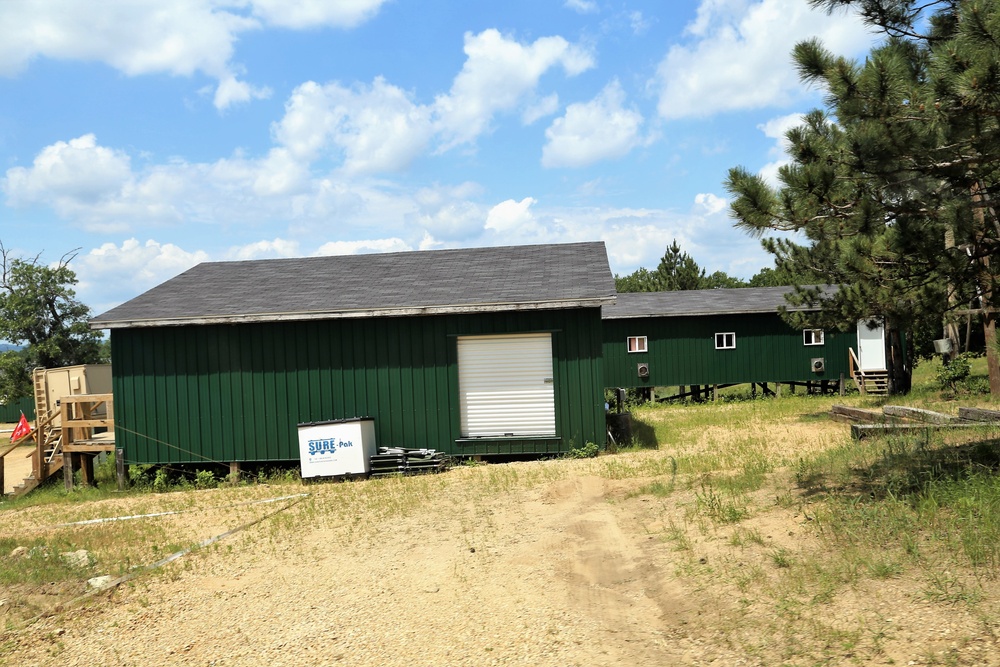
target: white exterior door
871 346
506 385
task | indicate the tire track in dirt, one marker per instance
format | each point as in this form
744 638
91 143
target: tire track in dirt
609 572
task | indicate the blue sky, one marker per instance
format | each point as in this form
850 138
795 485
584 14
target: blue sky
153 136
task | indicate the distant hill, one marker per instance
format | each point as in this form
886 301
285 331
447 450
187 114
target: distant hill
5 347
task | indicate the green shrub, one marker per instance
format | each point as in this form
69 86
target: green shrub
954 372
138 475
588 451
161 483
205 479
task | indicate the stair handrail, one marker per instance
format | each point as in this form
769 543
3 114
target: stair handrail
38 457
855 364
12 447
856 371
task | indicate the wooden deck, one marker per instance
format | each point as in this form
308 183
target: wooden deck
68 438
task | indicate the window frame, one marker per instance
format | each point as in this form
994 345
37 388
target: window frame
812 342
724 334
637 339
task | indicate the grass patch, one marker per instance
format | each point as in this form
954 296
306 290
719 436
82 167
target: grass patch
720 507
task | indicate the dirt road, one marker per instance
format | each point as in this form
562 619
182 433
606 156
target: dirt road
543 563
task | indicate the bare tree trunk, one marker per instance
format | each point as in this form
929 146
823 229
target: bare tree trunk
900 378
992 353
986 286
950 327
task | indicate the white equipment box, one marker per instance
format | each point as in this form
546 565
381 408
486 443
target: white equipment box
339 447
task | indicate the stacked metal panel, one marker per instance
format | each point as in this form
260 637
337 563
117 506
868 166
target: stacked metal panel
404 461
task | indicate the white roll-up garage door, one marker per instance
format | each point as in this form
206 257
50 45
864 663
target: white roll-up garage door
506 386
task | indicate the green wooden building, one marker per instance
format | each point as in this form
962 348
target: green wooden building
486 351
716 337
12 411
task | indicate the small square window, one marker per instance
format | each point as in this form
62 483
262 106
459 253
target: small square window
812 337
725 341
637 344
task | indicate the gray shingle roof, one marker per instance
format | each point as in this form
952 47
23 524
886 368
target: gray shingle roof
407 283
700 302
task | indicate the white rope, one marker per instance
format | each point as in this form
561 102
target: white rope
155 514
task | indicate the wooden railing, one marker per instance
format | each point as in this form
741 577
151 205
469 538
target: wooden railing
41 433
856 371
80 415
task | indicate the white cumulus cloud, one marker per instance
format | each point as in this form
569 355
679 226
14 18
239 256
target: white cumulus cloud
111 274
708 203
265 250
589 132
67 171
376 128
740 57
303 14
363 247
581 6
776 128
499 73
447 213
140 37
512 216
546 106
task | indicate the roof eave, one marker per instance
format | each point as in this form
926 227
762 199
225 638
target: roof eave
590 302
699 313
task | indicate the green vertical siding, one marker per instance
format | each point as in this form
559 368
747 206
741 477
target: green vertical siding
681 351
237 392
11 412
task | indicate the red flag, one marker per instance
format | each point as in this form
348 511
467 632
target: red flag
22 429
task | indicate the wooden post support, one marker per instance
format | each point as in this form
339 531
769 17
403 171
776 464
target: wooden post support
68 471
841 384
2 482
234 472
120 467
715 392
86 469
67 431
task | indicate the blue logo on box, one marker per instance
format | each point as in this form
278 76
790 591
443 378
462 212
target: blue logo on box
327 445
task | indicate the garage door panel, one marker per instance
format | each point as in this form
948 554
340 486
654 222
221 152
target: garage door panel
505 385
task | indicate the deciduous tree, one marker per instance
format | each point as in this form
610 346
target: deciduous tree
39 313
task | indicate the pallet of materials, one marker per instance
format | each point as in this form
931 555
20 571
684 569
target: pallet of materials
404 461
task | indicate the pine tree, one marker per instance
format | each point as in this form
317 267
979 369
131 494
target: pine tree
893 184
677 270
